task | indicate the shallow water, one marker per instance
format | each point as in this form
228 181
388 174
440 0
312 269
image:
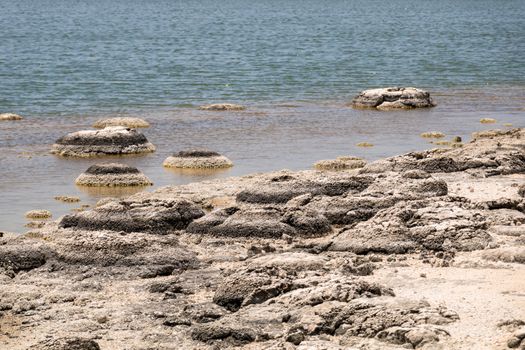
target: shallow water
64 64
265 137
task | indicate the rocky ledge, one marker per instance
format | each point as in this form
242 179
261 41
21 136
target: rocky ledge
197 159
116 140
112 175
393 98
422 251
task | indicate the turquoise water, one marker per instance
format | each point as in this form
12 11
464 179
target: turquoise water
294 64
63 57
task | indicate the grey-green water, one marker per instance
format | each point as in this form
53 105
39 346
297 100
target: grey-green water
63 64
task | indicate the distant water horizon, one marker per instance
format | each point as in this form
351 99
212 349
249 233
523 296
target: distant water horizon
62 57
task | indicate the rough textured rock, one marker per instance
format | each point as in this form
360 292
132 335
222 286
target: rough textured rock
419 225
384 192
261 222
66 344
393 98
508 254
127 122
482 154
367 259
155 216
114 140
38 214
9 116
67 199
19 254
154 255
222 107
112 174
340 163
282 189
197 159
521 190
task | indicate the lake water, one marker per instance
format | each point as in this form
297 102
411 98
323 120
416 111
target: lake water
295 65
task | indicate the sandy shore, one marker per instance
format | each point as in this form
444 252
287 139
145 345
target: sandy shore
425 250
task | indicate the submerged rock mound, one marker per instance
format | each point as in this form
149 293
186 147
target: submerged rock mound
393 98
340 163
128 122
38 214
222 107
197 159
152 216
115 140
112 174
9 116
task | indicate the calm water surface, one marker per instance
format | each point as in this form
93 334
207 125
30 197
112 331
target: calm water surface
64 64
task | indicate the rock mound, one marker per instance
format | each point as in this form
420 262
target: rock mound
437 225
393 98
112 174
282 189
38 214
261 222
116 140
154 255
197 159
67 344
152 216
340 163
9 116
127 122
19 254
222 107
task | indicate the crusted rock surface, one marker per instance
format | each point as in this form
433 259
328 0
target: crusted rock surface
393 98
113 140
423 251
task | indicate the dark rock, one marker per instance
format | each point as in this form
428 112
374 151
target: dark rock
196 153
108 141
209 332
253 287
283 190
261 222
66 344
153 216
111 168
20 254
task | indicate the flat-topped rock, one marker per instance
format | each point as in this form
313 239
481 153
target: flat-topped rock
38 214
393 98
197 159
9 116
222 107
340 163
115 140
112 174
128 122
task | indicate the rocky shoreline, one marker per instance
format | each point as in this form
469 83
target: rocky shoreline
425 250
